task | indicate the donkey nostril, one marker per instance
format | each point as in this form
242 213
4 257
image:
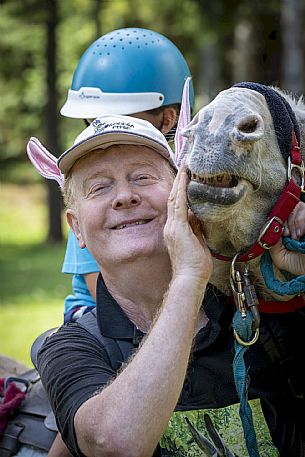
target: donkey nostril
248 125
248 129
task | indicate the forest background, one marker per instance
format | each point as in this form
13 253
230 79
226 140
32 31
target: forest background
41 41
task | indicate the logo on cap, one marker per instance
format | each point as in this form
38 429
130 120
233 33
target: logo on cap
118 125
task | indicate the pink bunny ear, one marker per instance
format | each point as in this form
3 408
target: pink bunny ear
44 162
183 121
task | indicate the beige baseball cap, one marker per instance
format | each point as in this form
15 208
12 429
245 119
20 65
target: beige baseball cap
108 130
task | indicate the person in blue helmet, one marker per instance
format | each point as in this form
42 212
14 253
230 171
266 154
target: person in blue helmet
130 71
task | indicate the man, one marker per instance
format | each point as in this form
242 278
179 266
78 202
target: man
141 79
117 197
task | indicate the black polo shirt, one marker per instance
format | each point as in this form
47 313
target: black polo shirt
74 365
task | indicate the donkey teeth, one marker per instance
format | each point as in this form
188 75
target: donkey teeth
216 181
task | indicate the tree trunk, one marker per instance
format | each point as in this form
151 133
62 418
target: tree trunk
293 48
209 80
96 10
245 52
54 196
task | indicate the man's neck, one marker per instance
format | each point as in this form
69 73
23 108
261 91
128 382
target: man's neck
139 290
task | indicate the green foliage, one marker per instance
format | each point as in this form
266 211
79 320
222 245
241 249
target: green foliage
32 285
193 25
21 88
228 425
31 273
21 323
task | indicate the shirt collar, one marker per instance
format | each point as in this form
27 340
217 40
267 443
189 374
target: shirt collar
114 323
112 320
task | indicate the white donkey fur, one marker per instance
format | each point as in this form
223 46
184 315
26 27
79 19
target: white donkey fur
232 149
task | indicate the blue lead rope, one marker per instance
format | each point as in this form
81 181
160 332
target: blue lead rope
243 326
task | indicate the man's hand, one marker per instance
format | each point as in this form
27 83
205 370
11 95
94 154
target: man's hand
187 249
286 260
295 226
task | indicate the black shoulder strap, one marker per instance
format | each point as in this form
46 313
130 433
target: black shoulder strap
118 351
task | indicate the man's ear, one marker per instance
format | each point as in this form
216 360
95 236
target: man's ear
73 222
169 119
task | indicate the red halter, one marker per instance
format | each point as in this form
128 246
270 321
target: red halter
290 196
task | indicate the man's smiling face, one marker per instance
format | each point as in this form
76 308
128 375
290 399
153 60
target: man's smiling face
121 202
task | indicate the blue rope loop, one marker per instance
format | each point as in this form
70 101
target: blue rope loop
243 326
294 286
294 245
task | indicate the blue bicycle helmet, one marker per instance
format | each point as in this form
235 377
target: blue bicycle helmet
127 71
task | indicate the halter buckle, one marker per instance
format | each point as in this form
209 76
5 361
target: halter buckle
300 169
265 230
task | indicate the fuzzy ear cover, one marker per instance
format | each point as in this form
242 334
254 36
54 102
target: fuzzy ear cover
183 121
284 119
44 162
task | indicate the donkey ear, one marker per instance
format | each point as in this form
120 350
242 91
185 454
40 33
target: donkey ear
44 162
183 121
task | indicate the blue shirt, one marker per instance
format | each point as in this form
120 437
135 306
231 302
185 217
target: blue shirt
78 262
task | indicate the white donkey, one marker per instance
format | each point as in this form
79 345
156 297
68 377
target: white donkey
239 162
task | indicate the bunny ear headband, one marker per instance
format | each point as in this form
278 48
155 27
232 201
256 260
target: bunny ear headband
44 162
183 121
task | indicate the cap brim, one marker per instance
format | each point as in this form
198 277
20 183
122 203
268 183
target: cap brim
105 140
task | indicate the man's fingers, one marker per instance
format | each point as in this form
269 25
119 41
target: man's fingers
177 198
296 222
286 231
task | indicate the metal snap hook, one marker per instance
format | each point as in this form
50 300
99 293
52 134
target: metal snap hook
246 343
